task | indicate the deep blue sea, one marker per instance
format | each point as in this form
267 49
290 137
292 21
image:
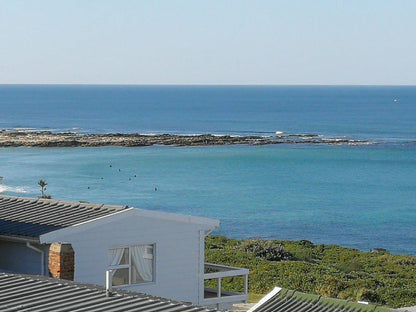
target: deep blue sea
358 196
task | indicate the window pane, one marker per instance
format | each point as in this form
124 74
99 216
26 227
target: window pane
142 264
135 276
121 277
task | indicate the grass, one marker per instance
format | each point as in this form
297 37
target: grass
254 298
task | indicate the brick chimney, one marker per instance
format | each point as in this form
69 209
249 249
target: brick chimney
61 261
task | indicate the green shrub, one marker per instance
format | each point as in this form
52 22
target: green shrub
350 266
265 249
370 296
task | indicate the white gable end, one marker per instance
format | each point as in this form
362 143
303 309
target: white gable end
201 223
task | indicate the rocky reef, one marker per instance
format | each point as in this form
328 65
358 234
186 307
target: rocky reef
13 138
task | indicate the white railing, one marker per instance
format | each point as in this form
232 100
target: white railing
218 295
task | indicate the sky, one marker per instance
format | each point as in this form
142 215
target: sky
275 42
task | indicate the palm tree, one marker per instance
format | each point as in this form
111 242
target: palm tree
42 184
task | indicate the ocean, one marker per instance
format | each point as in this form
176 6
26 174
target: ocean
360 196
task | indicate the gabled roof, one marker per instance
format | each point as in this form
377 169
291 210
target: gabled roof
201 223
22 217
31 217
20 292
283 300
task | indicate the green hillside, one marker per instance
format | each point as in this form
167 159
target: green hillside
327 270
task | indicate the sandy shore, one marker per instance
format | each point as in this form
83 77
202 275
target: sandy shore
9 138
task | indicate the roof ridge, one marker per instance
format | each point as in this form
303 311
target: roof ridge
60 201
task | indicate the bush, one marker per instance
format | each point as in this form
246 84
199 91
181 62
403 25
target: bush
265 249
331 287
350 266
370 296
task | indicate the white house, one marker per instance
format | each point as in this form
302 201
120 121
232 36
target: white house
157 253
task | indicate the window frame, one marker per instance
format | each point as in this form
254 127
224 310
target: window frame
129 264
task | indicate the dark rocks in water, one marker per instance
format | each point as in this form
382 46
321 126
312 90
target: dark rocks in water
69 139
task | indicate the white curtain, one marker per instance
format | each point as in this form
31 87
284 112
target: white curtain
143 266
115 256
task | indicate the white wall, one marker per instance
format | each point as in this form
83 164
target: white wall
17 257
177 253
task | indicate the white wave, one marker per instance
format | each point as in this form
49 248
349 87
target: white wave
22 129
17 189
278 132
150 134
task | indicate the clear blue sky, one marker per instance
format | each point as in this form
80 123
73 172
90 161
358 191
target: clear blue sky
208 42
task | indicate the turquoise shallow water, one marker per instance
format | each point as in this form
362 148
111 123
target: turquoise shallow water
362 197
359 196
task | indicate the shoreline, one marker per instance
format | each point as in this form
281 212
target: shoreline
13 138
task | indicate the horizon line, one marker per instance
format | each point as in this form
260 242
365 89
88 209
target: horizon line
208 84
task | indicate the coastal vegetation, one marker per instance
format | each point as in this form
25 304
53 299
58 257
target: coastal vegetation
42 184
328 270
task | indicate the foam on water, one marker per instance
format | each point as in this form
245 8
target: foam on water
16 190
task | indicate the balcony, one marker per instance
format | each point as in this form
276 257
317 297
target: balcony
219 296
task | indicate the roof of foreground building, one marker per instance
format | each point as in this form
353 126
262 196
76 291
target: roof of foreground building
21 293
283 300
32 217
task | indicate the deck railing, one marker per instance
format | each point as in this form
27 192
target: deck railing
218 295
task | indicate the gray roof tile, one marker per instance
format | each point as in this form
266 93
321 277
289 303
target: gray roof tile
21 293
293 301
35 216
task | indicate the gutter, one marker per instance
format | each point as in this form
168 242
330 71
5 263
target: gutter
19 239
42 256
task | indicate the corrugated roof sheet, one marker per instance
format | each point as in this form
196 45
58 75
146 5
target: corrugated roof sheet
35 216
293 301
21 293
25 229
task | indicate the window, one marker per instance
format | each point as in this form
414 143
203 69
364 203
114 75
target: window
131 265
